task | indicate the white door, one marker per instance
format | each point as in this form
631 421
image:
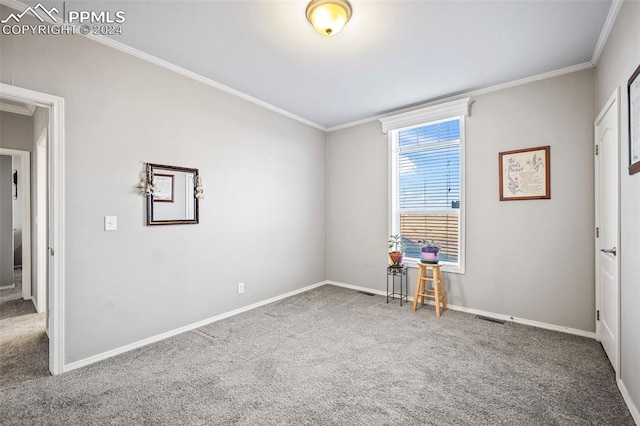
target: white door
607 232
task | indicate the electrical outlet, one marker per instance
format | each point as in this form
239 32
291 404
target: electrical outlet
240 288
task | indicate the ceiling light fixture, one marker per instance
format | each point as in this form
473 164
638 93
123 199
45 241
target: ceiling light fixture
328 17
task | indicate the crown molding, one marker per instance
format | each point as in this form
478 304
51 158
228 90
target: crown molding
478 92
199 78
14 4
432 113
606 30
611 17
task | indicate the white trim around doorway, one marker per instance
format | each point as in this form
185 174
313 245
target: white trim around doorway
55 105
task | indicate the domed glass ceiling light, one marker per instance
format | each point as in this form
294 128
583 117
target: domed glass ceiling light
328 17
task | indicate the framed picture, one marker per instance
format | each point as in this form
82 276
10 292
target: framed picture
15 184
525 174
164 188
633 89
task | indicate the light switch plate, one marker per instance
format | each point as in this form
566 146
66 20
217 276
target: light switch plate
111 223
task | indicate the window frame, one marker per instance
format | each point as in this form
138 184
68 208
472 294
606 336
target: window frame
394 200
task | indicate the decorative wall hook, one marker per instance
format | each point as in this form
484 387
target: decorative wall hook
199 188
147 184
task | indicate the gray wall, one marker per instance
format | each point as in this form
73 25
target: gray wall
6 222
619 59
262 221
528 259
16 132
357 206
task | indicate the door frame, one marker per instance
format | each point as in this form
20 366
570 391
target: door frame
24 192
56 210
613 102
40 250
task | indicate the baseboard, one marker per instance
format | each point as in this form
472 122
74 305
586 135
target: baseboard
627 398
502 317
524 321
36 304
358 288
122 349
126 348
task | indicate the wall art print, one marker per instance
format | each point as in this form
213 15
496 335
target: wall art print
525 174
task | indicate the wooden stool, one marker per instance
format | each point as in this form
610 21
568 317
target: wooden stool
438 293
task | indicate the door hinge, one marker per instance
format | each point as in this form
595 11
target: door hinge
598 315
596 149
597 232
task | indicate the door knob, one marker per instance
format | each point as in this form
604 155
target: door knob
612 251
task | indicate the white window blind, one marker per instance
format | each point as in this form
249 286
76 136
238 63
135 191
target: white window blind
428 180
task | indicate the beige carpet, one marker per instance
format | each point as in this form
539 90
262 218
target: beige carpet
24 345
333 356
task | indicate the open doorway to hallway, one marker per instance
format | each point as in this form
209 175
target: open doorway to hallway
55 218
24 343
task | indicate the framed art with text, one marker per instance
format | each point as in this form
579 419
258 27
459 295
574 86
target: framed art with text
525 174
164 188
633 90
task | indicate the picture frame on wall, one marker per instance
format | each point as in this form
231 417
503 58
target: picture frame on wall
164 188
633 90
525 174
15 184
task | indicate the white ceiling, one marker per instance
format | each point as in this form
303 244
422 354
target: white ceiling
391 55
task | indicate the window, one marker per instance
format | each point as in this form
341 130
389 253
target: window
428 188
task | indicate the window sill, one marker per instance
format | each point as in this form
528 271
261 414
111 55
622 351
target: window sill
446 267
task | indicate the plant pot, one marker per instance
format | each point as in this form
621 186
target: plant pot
396 258
429 254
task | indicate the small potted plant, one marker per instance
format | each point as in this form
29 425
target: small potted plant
429 251
396 247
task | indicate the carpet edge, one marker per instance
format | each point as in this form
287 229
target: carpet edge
523 321
158 337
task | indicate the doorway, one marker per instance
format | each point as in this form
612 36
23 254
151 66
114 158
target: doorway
15 224
607 242
52 255
23 338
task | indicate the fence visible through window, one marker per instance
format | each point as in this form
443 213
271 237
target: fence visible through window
441 227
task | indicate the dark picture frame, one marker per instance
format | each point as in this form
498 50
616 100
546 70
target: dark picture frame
182 193
633 92
14 179
165 188
525 174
